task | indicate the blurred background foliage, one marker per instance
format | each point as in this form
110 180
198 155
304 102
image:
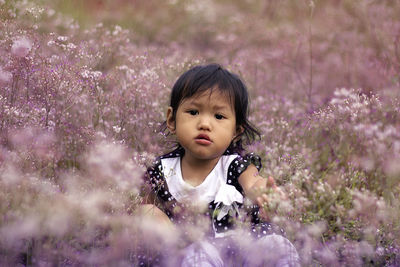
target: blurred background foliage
315 45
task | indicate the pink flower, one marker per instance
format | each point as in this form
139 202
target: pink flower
5 77
21 47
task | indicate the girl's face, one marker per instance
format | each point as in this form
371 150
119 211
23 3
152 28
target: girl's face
204 125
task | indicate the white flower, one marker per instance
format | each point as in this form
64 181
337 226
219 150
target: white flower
117 129
50 12
21 47
91 74
85 74
62 38
96 74
71 46
117 30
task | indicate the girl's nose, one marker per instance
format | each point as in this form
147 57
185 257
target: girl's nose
204 123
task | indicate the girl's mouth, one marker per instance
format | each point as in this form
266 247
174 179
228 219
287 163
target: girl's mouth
203 139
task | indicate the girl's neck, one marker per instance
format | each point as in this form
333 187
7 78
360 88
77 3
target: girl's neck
195 171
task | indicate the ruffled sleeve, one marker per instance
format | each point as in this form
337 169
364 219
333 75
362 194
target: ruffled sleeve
155 176
238 166
156 179
154 183
159 194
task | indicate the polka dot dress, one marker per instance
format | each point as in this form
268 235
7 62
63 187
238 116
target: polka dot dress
167 203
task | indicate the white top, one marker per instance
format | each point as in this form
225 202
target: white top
214 184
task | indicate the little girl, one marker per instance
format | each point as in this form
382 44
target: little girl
208 116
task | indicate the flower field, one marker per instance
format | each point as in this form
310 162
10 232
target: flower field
84 87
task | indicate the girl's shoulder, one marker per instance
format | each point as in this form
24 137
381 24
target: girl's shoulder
239 165
241 162
155 170
243 159
177 152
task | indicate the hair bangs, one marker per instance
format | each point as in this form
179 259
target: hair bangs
208 81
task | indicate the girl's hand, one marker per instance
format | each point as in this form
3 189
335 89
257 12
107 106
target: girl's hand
263 192
264 199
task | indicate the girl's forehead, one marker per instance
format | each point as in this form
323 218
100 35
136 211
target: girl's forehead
214 97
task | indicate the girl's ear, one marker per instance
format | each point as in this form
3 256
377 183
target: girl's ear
170 120
239 131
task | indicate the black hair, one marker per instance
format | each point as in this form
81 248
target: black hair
214 77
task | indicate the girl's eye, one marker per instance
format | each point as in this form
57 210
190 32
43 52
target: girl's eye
193 112
219 116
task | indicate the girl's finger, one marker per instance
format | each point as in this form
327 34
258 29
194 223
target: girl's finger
271 182
264 215
281 193
260 201
263 201
265 197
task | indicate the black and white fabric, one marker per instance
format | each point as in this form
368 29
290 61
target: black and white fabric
220 190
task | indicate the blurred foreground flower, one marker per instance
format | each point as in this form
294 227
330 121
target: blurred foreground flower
110 163
21 47
77 217
5 77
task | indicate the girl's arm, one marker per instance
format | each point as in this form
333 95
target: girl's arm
148 209
256 188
